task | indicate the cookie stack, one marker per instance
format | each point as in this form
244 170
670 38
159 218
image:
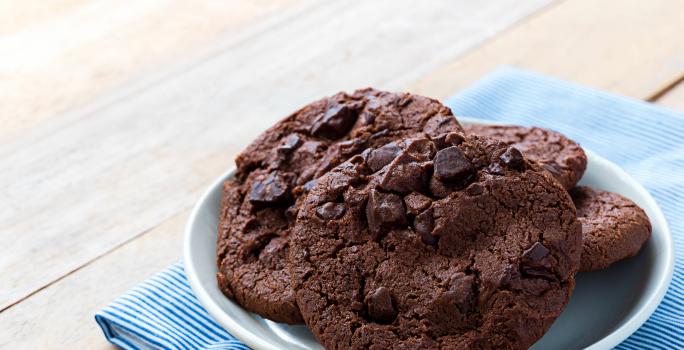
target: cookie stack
380 222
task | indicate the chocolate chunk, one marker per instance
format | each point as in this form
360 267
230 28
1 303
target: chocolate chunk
356 305
273 189
495 169
331 211
340 182
383 210
306 175
380 306
534 262
367 118
508 275
405 177
535 253
335 123
351 146
513 159
424 224
538 272
254 245
461 289
382 156
438 188
381 133
553 169
309 185
290 144
416 202
440 141
250 224
451 164
313 147
474 189
409 171
405 174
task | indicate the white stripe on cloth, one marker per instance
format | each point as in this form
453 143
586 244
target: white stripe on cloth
162 312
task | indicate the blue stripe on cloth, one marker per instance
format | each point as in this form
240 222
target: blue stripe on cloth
163 313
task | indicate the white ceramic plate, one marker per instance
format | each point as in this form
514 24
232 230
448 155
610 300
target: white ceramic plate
606 306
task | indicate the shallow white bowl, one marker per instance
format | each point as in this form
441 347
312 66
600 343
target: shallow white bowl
606 306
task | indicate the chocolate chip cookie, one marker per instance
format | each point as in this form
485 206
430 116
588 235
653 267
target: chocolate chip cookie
457 242
260 204
562 157
613 227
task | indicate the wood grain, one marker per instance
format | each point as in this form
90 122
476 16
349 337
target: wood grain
61 316
93 178
673 98
58 54
630 47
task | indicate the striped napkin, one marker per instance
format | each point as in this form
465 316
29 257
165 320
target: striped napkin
163 313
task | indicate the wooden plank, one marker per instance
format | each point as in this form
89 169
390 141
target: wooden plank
58 54
73 300
673 98
96 177
631 47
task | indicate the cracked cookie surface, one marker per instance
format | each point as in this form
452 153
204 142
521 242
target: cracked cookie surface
613 227
453 242
559 155
260 204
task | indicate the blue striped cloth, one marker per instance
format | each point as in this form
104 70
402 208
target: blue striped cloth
163 313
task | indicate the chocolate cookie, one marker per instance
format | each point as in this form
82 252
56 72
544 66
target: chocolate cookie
260 204
455 243
613 227
562 157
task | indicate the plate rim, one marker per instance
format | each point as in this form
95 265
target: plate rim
234 328
609 341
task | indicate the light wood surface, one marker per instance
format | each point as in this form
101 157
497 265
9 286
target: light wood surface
97 196
59 54
630 47
61 316
673 98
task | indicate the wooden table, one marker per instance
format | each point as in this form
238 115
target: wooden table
117 115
